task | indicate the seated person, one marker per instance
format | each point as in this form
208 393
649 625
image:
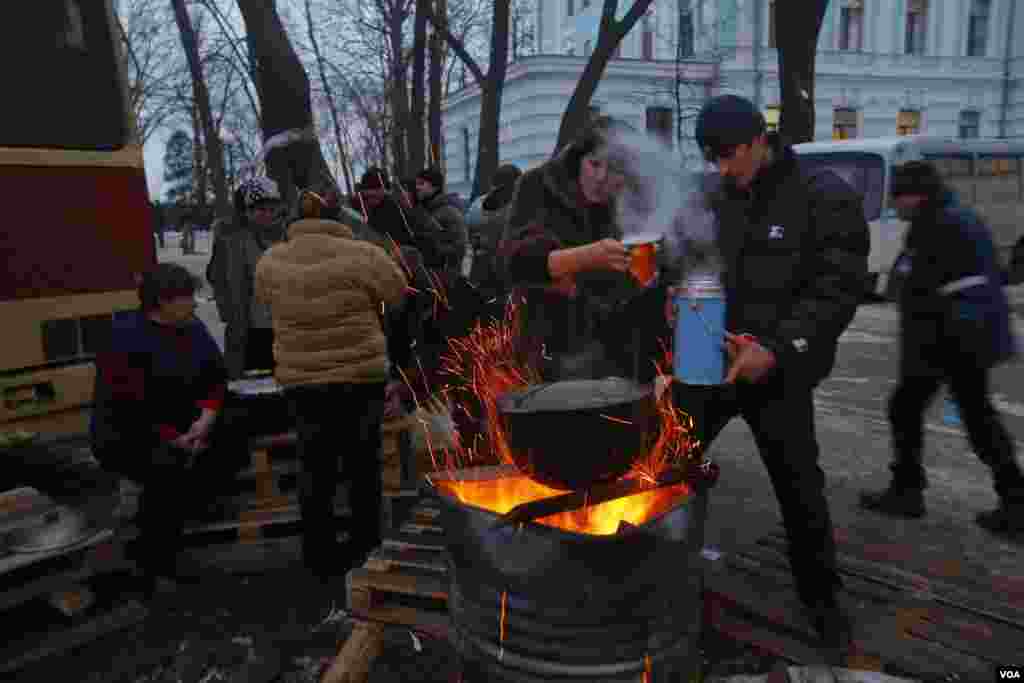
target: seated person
160 384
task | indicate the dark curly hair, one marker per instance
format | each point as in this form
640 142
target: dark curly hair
165 281
592 137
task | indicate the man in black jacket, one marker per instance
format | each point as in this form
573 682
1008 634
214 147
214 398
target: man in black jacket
794 249
955 327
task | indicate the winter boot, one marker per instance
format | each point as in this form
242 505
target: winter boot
895 501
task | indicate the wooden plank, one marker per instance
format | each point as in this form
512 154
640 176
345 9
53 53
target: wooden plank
400 540
366 589
87 561
385 559
18 655
352 665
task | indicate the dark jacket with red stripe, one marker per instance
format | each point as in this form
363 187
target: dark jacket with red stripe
152 383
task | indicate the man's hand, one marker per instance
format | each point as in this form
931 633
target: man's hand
404 199
748 360
197 438
393 400
670 305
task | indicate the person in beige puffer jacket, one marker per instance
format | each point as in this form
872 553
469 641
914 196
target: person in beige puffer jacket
327 292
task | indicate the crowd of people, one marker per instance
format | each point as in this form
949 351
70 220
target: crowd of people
339 304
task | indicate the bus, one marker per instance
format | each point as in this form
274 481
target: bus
77 231
987 175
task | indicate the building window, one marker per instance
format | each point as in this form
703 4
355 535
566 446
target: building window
844 123
772 115
686 42
647 44
569 8
771 25
917 20
851 25
908 122
977 28
970 124
659 122
584 4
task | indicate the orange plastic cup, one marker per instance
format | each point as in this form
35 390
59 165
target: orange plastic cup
643 257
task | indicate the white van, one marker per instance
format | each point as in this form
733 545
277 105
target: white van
986 174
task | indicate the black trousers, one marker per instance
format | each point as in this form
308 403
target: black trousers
259 349
985 431
332 421
175 485
781 418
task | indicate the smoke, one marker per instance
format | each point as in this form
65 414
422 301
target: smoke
662 198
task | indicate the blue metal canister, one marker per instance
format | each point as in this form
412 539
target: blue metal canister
699 353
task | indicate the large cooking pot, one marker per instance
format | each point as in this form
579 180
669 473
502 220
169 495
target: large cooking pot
573 434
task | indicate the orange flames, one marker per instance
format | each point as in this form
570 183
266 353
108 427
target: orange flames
482 367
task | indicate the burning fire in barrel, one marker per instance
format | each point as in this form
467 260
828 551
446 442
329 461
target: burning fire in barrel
574 530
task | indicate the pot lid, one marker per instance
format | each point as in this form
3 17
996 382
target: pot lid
569 395
58 529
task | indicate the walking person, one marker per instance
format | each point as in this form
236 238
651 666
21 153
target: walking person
794 249
326 292
258 225
955 327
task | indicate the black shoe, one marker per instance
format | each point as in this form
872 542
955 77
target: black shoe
832 625
895 502
1007 519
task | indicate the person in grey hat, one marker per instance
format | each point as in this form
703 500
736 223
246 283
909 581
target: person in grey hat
485 234
794 249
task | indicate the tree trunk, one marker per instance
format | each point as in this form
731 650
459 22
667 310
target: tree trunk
436 84
329 95
200 172
490 106
211 138
609 36
399 91
283 88
797 40
417 130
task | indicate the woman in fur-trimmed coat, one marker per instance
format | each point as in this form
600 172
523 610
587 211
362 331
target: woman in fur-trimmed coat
562 255
327 292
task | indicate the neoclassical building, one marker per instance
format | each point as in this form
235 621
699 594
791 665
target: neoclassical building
884 67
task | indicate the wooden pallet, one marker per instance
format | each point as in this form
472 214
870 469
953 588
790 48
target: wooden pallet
58 582
905 624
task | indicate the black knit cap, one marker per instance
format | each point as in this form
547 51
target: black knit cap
432 176
726 122
506 174
916 177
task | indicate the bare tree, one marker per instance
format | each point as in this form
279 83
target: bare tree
285 104
610 34
214 153
797 40
155 65
491 85
416 132
329 97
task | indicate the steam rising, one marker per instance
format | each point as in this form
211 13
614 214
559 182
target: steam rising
664 199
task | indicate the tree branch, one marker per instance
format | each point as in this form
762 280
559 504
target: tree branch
459 49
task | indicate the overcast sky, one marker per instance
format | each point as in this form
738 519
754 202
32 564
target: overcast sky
154 157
